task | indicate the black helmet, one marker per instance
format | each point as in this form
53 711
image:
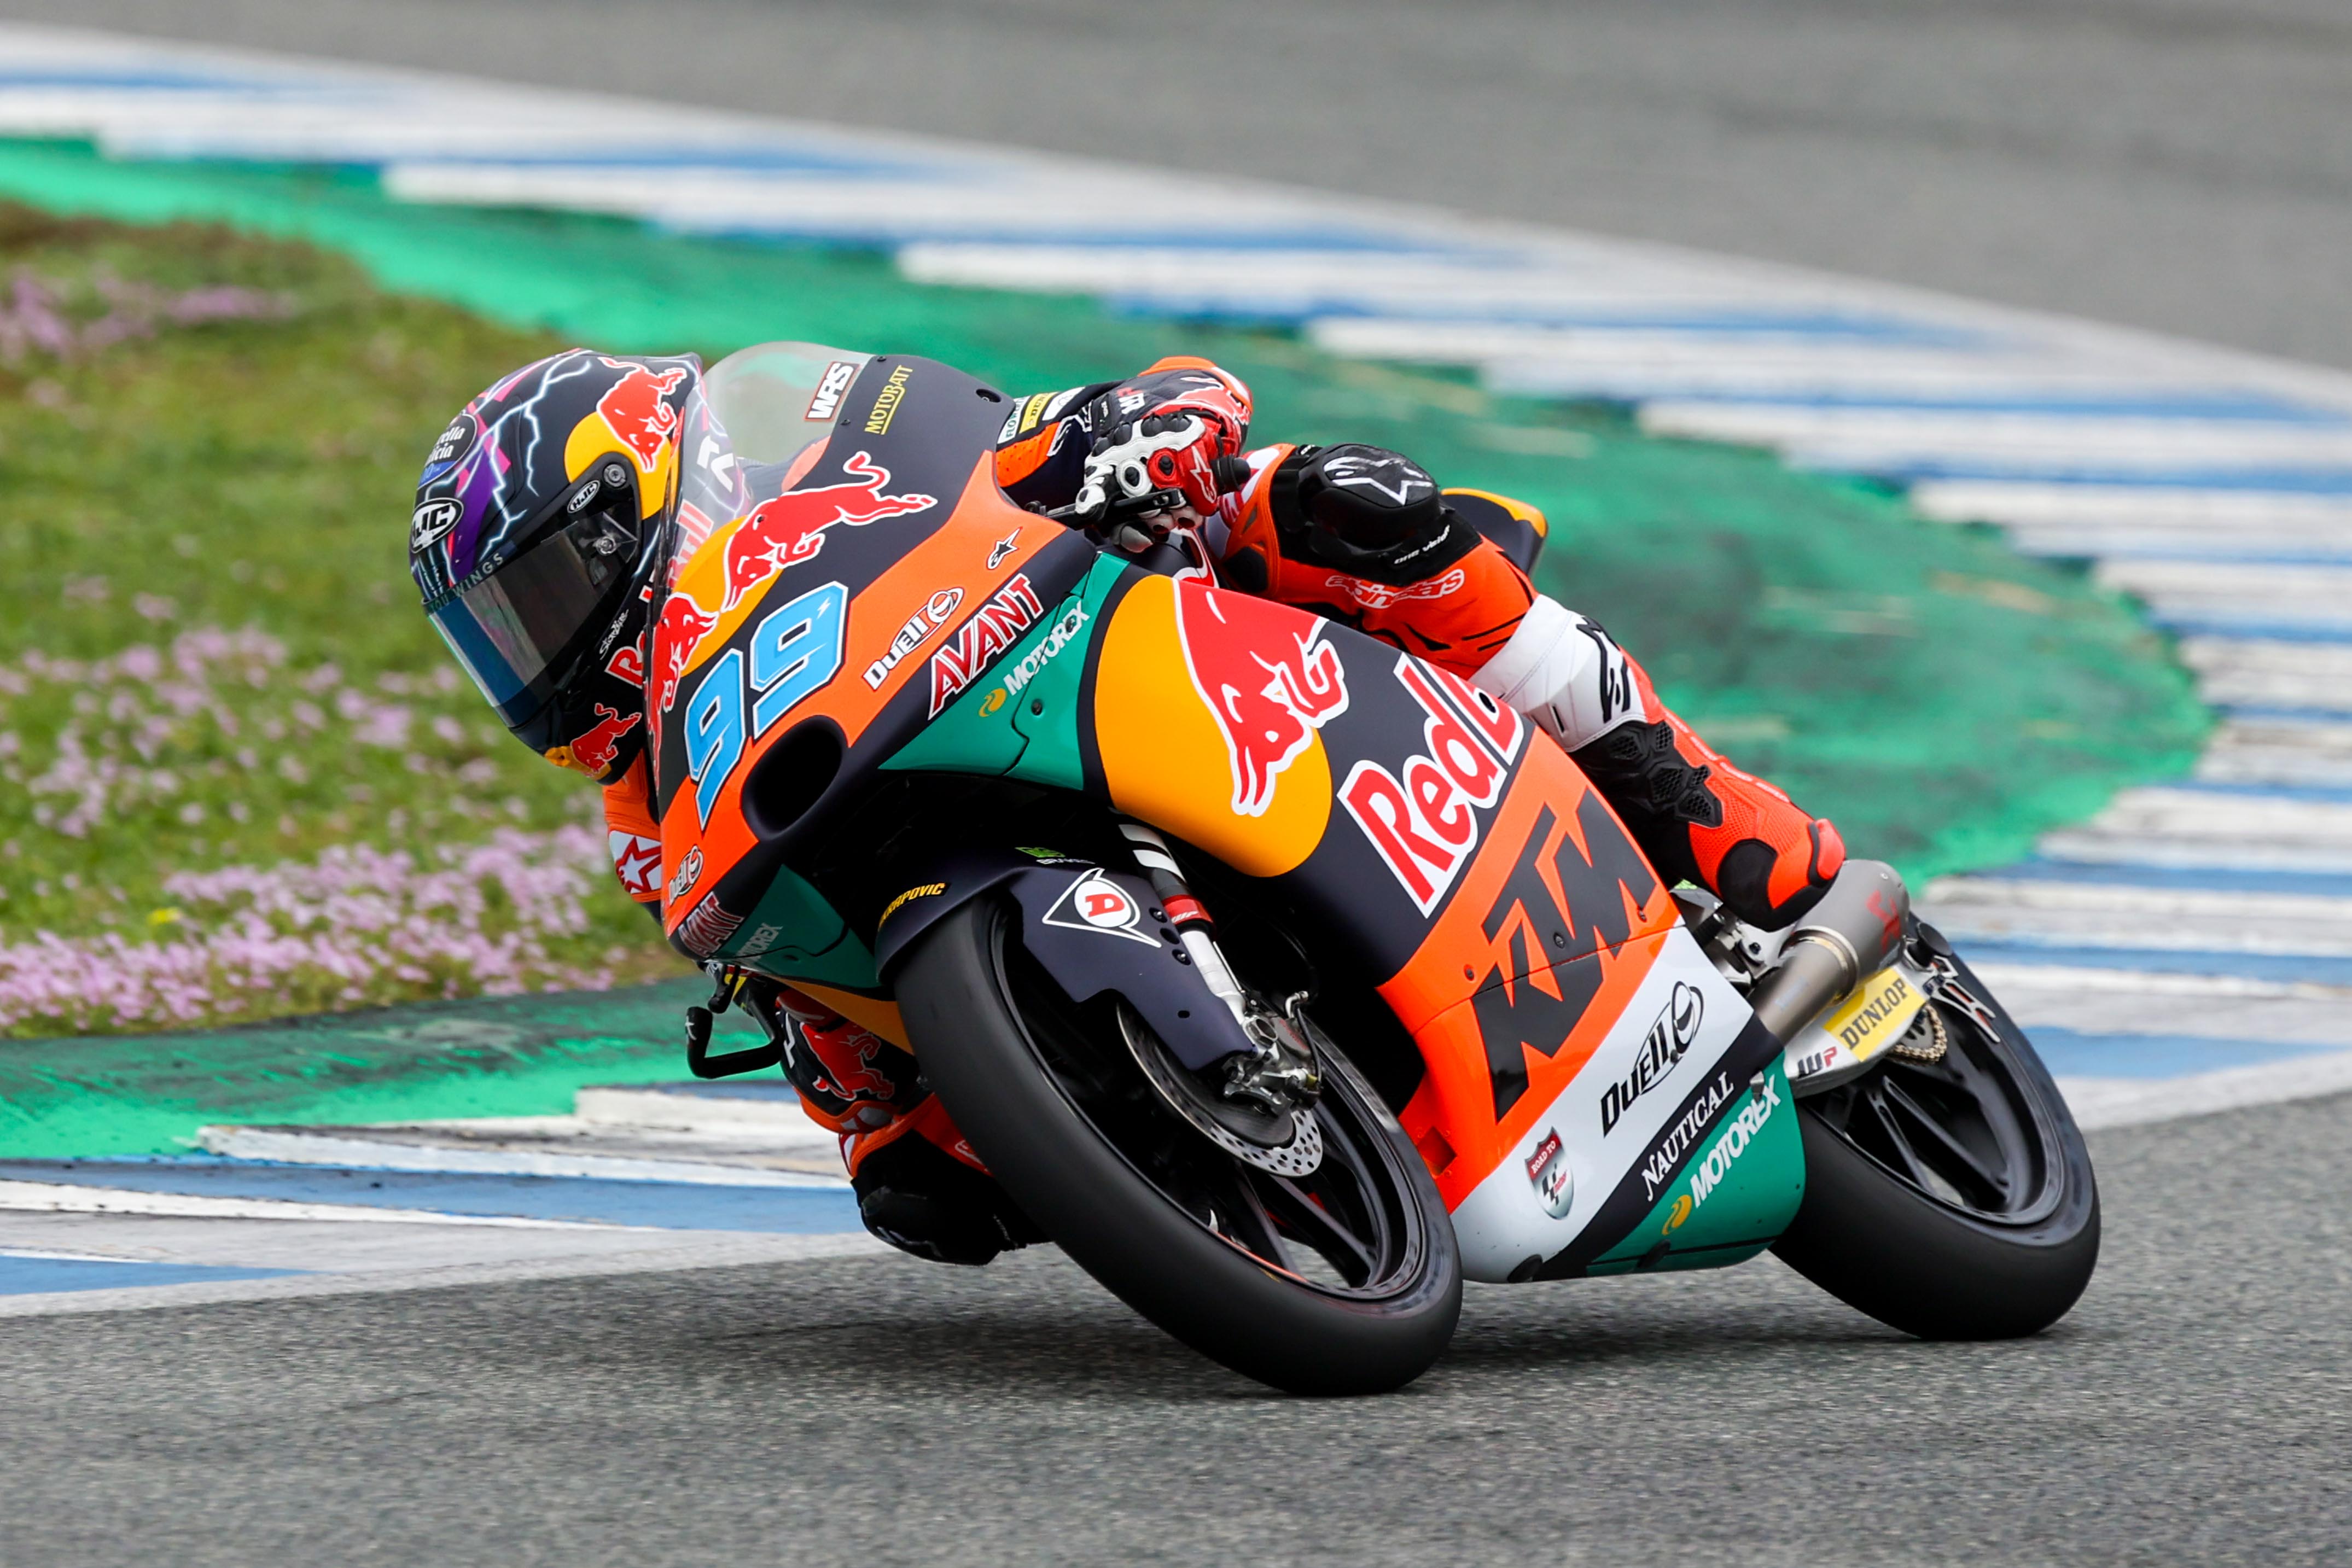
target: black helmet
538 536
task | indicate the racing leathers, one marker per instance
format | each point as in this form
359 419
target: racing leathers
1352 532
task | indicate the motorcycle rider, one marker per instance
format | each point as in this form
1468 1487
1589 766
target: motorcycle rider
548 527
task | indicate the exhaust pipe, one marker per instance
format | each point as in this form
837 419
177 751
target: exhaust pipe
1846 938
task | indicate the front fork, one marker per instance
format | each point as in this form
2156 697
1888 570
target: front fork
1281 1074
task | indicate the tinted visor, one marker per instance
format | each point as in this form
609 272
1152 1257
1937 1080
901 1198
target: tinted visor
508 629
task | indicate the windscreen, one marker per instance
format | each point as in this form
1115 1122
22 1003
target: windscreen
774 399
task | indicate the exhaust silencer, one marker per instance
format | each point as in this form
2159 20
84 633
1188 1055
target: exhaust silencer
1844 939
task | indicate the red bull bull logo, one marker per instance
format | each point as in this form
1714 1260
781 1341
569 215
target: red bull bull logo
636 408
791 528
775 534
597 749
847 1055
1270 684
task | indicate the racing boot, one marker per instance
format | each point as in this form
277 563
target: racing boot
919 1185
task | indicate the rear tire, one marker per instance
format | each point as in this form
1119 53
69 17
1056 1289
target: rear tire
1953 1199
1053 1100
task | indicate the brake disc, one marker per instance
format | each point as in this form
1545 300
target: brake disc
1294 1151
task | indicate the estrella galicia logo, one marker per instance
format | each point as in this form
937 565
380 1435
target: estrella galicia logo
432 523
451 444
1668 1042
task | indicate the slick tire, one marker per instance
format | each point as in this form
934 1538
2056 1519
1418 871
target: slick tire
1111 1218
1929 1268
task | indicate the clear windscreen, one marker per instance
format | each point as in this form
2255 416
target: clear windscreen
775 398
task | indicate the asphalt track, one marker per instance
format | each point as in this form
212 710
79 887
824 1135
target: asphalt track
2184 165
2195 1408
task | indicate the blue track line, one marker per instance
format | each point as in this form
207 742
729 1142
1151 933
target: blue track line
2278 968
2097 1055
2188 879
22 1276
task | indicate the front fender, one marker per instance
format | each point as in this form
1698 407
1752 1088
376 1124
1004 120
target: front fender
1093 930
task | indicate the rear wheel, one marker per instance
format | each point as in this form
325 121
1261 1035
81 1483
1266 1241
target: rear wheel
1343 1280
1948 1191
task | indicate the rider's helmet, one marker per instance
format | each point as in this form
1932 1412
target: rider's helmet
538 541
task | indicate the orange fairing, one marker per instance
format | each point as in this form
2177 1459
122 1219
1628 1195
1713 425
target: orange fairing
954 562
1170 759
1522 974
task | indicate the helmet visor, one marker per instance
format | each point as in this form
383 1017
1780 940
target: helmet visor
509 627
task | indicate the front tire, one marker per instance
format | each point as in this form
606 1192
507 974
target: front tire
1345 1281
1951 1198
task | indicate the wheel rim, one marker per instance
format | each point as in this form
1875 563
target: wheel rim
1972 1131
1350 1228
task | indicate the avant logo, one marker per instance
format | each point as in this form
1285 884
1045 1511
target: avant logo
1668 1042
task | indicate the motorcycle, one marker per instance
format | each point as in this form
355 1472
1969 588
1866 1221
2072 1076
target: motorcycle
1283 980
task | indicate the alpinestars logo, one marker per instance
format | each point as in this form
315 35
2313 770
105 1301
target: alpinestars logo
1663 1047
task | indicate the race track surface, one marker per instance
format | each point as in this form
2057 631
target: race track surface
2184 165
2195 1408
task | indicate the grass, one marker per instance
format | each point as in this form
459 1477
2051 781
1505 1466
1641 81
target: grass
250 475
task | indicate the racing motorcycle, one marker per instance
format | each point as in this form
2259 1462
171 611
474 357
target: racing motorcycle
1283 980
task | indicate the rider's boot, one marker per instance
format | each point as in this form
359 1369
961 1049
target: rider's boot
1698 818
919 1185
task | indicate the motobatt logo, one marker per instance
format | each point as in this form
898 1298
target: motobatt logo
636 408
1717 1161
894 392
1009 612
1381 595
1026 668
431 523
1665 1155
1423 819
776 533
1270 684
1095 903
914 634
835 381
1548 1173
1668 1041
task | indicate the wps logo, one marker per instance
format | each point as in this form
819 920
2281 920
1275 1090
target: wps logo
1270 684
1423 819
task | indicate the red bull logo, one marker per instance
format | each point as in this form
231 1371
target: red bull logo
684 624
791 528
636 408
774 535
847 1056
596 751
1423 819
1270 684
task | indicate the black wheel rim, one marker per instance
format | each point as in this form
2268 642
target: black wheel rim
1972 1131
1351 1228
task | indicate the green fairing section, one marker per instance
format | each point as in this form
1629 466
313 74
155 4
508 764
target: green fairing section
1743 1188
810 940
1033 737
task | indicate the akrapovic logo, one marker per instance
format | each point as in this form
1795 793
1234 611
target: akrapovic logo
1668 1042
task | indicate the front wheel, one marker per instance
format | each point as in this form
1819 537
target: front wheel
1345 1280
1948 1191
